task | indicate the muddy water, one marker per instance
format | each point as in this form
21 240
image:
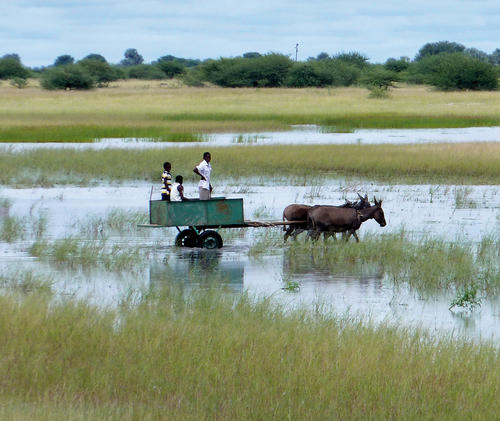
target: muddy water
450 212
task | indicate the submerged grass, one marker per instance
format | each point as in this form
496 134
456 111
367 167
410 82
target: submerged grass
152 111
211 356
77 253
466 163
427 265
114 222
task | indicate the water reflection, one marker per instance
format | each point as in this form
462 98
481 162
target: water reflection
195 269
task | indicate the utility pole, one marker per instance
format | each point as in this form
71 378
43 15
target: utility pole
296 51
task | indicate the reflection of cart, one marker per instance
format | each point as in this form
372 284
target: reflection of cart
202 217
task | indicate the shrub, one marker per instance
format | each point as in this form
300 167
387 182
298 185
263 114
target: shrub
324 72
146 72
10 68
352 57
19 82
457 71
395 65
64 60
193 77
270 70
72 76
434 48
101 72
170 68
304 74
378 77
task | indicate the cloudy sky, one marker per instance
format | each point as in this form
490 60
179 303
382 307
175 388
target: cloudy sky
41 30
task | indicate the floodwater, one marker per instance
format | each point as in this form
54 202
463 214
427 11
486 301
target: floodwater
299 135
450 212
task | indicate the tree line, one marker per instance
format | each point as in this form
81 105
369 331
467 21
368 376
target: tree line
445 65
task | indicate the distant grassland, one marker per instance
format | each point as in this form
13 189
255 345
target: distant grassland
460 163
155 109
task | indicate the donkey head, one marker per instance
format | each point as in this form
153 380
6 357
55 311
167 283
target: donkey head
379 213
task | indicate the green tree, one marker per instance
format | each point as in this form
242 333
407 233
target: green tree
322 56
11 67
12 55
64 60
378 77
132 58
457 71
352 57
252 54
433 48
71 76
397 65
170 68
478 54
270 70
146 72
186 62
305 74
101 71
95 56
495 57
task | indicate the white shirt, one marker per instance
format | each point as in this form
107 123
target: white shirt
204 168
174 193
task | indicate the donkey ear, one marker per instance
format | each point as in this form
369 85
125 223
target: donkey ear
375 201
366 197
361 197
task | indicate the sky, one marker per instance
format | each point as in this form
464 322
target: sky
41 30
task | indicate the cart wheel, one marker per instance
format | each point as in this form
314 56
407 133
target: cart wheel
187 238
210 240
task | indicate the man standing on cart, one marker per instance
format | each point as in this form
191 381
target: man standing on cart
203 169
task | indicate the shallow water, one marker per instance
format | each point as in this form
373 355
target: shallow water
299 135
450 212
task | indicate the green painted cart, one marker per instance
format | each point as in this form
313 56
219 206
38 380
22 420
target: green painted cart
202 218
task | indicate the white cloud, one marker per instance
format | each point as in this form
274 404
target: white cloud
40 30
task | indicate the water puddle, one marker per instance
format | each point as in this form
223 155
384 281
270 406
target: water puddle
299 135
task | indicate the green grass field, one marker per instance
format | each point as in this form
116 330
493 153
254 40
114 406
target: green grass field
474 163
214 357
155 109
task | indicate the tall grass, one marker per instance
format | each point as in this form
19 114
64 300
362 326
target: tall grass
215 357
150 111
427 265
477 163
114 222
77 253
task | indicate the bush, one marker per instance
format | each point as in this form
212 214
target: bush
457 71
19 82
64 60
10 68
193 77
146 72
324 72
378 77
353 58
304 74
170 68
101 72
434 48
72 76
395 65
270 70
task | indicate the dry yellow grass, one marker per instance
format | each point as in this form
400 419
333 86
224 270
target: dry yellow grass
168 104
